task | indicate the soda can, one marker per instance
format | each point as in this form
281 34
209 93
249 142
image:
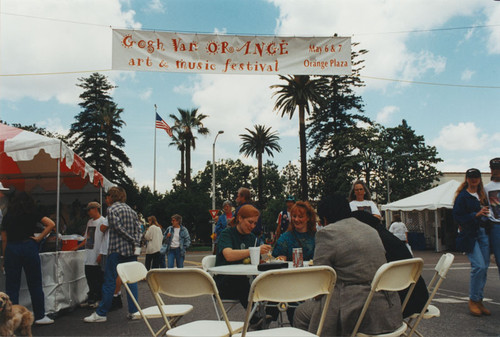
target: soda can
298 260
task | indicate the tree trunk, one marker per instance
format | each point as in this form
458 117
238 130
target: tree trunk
303 154
259 178
107 162
188 162
183 183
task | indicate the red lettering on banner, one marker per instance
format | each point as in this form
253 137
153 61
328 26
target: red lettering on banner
138 61
179 45
256 67
181 64
149 45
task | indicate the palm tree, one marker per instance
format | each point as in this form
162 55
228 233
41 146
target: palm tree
188 122
256 143
299 91
178 141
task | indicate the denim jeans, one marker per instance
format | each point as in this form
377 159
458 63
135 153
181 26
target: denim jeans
163 263
108 288
19 256
495 242
175 254
480 260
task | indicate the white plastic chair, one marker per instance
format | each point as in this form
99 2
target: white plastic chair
290 285
208 262
392 276
431 311
190 282
132 272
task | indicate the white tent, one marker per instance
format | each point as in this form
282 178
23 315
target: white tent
436 198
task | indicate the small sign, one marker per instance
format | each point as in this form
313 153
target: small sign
213 213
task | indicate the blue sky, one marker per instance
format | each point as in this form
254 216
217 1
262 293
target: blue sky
45 46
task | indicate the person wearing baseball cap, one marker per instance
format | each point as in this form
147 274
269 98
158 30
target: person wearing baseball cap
492 190
284 217
469 210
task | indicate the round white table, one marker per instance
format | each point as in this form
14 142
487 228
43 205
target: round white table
241 269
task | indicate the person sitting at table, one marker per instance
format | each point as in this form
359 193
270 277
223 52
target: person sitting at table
356 252
300 233
360 199
233 249
395 250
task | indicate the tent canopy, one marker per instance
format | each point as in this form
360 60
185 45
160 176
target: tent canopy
28 159
440 196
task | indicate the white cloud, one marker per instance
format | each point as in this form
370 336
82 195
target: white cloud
386 113
146 94
462 136
156 6
467 74
494 36
54 36
380 28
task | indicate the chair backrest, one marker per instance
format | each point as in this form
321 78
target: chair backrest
444 264
292 285
442 268
181 282
208 262
393 276
184 282
131 272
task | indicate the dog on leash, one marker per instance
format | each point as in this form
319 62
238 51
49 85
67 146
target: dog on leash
14 317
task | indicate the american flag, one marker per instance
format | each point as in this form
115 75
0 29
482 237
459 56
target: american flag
161 124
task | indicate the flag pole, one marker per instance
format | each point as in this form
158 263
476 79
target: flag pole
154 164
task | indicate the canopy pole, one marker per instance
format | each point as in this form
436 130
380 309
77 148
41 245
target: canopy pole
436 219
58 195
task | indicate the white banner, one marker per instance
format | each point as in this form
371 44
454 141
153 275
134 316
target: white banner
230 54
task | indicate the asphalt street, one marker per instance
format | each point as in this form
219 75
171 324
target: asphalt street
451 300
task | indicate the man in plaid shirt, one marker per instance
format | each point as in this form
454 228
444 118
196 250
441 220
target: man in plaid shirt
124 238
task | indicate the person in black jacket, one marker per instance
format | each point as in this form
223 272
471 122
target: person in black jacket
395 250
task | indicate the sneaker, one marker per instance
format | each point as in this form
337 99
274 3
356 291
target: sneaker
44 320
134 316
117 303
95 318
93 305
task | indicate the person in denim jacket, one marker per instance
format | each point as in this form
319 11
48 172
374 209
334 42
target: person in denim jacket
176 241
472 237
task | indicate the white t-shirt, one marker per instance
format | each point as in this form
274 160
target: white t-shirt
365 205
399 230
95 240
154 236
492 190
175 238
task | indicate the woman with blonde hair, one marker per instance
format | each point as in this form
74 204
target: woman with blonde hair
472 238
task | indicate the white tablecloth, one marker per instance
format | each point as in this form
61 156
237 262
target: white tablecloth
241 269
63 279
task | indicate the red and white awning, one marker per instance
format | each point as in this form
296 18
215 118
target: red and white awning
27 158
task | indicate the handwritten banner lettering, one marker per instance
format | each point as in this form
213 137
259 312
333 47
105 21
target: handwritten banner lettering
230 54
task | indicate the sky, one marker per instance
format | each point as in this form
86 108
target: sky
434 63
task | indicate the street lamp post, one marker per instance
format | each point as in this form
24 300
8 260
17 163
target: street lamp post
213 182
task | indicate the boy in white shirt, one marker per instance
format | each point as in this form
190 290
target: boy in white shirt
96 246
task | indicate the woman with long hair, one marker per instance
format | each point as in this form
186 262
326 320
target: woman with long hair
360 199
300 233
21 250
472 238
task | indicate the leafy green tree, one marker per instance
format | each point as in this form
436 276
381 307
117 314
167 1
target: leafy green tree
299 91
95 135
408 161
290 176
272 182
187 123
255 143
334 129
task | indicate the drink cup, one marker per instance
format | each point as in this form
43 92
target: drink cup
254 255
